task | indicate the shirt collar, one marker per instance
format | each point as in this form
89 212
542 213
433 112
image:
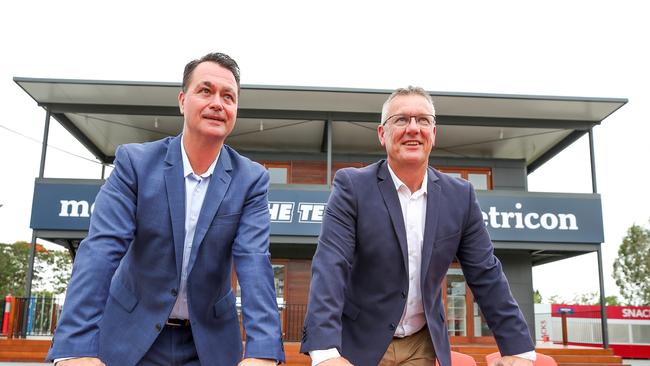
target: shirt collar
398 183
187 167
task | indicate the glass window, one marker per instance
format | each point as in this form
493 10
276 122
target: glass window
278 280
278 175
481 178
479 181
456 305
618 333
640 333
481 328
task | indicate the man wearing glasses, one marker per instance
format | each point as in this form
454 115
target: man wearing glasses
389 234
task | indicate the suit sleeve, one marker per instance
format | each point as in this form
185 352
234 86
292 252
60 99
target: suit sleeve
255 275
111 231
489 285
331 268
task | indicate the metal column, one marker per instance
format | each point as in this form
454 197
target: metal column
329 151
601 281
593 161
32 249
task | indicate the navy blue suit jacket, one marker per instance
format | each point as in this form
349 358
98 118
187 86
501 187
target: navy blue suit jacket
359 273
127 271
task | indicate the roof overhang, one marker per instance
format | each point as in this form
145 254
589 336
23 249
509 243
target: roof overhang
105 114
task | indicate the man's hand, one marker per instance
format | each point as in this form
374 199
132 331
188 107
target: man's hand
512 361
81 361
257 362
338 361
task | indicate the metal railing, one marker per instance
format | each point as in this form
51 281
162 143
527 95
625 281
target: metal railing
34 316
37 316
575 328
293 317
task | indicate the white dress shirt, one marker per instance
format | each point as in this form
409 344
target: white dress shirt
195 188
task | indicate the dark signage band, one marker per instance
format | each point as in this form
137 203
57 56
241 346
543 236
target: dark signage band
509 216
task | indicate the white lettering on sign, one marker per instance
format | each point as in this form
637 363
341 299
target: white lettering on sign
529 220
72 208
281 211
311 212
636 313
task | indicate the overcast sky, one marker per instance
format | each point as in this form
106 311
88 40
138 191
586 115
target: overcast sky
562 48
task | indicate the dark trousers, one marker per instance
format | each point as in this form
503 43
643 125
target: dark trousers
173 347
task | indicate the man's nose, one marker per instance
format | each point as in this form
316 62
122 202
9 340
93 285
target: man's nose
216 102
412 125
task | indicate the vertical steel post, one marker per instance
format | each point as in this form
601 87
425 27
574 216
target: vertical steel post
32 249
601 281
603 305
329 151
592 156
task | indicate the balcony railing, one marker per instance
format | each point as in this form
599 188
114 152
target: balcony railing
34 316
37 316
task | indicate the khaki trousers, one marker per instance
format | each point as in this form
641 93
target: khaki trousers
414 350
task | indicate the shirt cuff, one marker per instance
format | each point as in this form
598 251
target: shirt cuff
57 360
530 355
319 356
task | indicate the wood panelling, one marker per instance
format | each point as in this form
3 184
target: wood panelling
309 172
298 280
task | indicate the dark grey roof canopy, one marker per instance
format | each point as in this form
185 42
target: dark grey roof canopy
105 114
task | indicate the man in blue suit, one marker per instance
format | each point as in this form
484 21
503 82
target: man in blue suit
151 283
389 234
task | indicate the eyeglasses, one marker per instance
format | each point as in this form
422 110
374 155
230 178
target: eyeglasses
403 120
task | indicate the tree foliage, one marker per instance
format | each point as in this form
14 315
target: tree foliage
537 297
632 267
593 298
51 269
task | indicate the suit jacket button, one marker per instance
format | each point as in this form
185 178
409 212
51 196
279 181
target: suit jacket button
174 292
392 326
403 294
158 327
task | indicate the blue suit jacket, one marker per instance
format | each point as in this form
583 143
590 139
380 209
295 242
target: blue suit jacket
127 271
359 273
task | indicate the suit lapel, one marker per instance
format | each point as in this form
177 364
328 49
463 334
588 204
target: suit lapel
389 194
175 185
219 183
431 221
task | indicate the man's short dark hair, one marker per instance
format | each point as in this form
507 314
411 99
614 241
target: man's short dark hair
221 59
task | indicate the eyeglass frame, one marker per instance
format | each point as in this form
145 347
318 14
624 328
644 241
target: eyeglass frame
410 117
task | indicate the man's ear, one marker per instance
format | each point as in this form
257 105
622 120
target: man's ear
181 100
380 134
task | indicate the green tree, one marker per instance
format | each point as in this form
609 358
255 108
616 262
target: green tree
612 300
632 267
51 269
556 299
537 297
590 298
593 298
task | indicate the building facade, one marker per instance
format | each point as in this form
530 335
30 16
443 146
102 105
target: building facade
304 135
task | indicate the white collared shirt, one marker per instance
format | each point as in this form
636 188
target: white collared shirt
195 188
414 211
